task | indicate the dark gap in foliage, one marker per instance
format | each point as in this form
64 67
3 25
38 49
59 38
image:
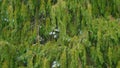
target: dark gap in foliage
53 2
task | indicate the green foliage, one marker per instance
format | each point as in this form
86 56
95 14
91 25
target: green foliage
59 34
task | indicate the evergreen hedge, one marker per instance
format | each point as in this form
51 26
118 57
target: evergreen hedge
59 34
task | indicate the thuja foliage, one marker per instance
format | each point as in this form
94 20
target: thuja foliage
59 34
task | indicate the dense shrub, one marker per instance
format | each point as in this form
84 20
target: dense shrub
59 34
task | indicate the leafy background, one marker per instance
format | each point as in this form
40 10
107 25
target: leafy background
59 34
